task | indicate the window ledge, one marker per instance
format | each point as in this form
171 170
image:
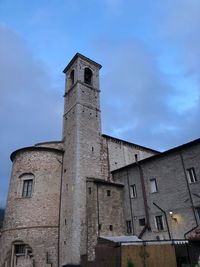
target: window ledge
159 231
154 192
197 182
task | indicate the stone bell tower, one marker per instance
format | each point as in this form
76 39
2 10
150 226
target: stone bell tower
82 145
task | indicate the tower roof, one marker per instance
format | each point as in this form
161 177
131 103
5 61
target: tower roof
78 55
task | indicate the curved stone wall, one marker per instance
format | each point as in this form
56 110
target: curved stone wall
32 213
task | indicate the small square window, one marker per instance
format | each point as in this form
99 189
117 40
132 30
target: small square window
108 193
111 227
159 222
133 191
142 222
192 178
27 188
129 227
153 185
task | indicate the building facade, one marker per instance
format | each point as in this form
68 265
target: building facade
65 194
162 193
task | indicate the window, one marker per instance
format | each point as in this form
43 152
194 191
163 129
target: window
88 76
111 227
191 175
133 191
198 213
129 227
153 185
20 249
27 188
108 193
89 190
159 222
100 226
142 222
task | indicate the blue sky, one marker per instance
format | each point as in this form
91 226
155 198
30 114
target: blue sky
150 80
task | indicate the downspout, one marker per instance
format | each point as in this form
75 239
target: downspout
143 231
61 180
188 187
144 194
98 208
130 202
165 220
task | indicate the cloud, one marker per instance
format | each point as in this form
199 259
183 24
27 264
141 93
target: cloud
139 101
30 105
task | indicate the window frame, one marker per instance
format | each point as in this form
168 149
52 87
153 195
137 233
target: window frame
159 223
108 192
27 188
142 220
20 249
191 175
133 191
197 209
153 182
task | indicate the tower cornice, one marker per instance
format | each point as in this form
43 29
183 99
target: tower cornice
78 55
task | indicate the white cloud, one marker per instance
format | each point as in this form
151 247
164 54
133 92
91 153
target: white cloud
137 99
30 107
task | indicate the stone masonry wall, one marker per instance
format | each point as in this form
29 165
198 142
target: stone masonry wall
172 195
34 220
105 216
118 153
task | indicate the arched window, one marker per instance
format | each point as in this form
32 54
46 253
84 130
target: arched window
71 77
88 76
21 250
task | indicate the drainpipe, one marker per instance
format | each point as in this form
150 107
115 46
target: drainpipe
98 209
188 187
59 216
143 231
130 202
144 194
165 219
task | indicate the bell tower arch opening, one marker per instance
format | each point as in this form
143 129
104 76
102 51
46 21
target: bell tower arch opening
72 77
88 76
